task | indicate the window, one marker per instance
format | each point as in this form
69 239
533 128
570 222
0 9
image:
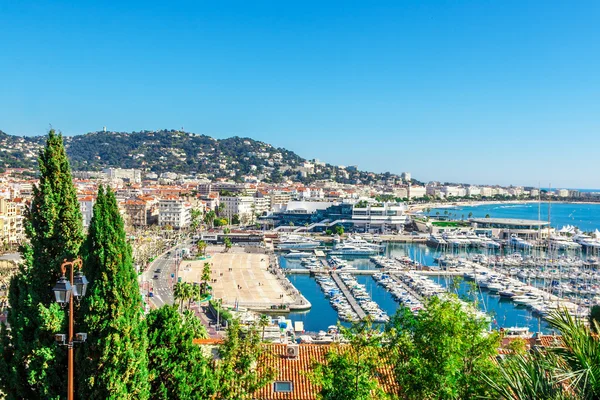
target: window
283 387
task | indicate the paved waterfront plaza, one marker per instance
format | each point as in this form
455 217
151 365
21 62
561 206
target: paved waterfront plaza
239 276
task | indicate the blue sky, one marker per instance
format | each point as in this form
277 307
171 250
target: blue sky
473 91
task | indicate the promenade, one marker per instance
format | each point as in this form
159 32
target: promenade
240 278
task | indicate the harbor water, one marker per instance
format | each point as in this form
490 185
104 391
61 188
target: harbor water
504 313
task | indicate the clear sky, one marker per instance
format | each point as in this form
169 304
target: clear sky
473 91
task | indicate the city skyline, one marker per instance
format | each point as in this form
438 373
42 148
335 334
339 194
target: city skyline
465 92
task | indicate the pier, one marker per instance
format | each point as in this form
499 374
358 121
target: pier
351 300
405 286
306 271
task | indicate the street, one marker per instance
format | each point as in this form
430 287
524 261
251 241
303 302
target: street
162 287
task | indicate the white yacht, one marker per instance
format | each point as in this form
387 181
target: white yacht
297 254
519 242
355 246
297 242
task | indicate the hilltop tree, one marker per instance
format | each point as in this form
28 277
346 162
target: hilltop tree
113 363
53 225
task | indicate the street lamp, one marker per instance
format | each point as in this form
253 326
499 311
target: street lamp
64 292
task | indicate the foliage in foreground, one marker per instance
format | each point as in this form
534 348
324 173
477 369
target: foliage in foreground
30 357
351 370
442 352
238 374
569 371
113 363
178 368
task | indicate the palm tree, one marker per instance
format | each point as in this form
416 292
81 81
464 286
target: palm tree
193 293
202 247
568 371
263 322
470 215
227 242
179 293
205 276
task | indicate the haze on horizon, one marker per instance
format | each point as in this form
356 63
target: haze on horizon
460 91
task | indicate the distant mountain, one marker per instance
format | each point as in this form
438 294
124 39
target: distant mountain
181 152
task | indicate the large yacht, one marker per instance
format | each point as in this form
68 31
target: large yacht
356 246
297 242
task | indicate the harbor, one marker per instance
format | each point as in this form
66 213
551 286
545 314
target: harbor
388 273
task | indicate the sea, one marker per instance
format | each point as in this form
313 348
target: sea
503 313
584 216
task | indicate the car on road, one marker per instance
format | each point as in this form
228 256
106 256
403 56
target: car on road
155 277
158 270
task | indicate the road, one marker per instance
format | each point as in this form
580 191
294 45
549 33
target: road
162 286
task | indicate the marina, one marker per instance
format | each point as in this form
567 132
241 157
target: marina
388 274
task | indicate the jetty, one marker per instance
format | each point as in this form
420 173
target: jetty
351 300
413 293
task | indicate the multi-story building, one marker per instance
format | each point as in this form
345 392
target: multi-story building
174 212
262 204
279 197
11 221
242 206
86 205
141 212
131 175
414 192
379 217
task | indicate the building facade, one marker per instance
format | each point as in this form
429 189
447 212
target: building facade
174 212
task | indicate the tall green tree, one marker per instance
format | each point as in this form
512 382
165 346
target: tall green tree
237 376
350 370
113 363
178 368
442 352
32 365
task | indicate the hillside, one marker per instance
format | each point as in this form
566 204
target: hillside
181 152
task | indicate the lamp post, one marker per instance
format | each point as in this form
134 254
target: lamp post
64 291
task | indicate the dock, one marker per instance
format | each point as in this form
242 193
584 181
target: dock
351 300
306 271
405 286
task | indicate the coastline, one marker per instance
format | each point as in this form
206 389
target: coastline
415 208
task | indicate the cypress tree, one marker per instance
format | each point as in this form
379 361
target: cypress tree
113 362
32 366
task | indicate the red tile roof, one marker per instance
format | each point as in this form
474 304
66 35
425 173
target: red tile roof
296 370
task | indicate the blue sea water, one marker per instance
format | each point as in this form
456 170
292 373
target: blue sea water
584 216
322 315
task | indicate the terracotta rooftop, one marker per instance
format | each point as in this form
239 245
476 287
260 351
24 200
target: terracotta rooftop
295 370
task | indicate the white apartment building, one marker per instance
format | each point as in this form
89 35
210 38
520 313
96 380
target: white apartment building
487 191
562 193
473 191
242 206
379 217
86 205
132 175
414 192
174 212
262 204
